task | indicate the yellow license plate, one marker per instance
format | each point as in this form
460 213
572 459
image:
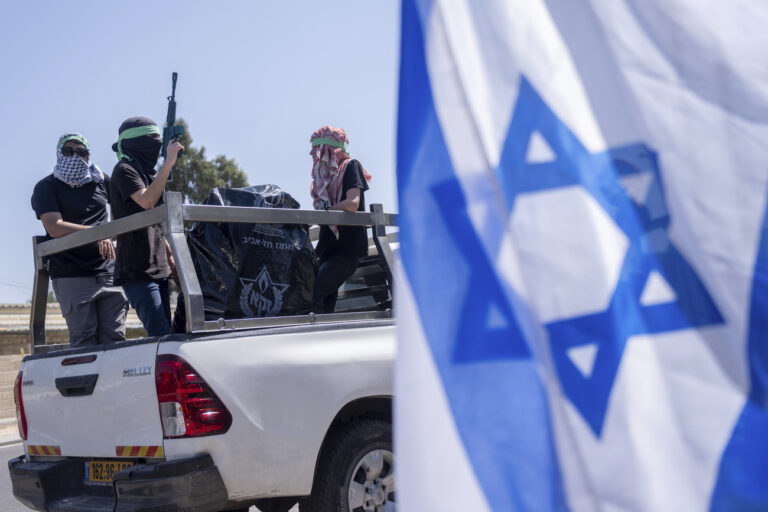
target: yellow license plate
102 470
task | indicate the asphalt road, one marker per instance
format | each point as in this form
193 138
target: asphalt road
7 502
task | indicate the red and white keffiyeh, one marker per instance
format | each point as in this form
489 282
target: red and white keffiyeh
329 161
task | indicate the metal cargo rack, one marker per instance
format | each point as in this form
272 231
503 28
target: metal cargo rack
172 216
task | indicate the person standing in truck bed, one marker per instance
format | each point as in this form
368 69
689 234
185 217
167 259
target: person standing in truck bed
144 259
338 183
72 198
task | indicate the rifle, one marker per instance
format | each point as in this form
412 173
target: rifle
170 131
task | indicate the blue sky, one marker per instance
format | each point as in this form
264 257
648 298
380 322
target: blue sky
255 79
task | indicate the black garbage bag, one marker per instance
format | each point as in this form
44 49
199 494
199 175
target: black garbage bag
253 270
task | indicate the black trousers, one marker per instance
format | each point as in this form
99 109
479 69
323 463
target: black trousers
331 274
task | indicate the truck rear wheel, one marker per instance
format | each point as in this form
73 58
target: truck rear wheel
356 473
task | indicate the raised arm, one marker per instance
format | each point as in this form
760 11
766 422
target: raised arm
148 197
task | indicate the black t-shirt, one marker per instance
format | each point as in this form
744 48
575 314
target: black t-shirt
85 205
140 254
352 241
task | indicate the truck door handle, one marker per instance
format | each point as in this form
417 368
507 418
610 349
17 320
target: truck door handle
79 385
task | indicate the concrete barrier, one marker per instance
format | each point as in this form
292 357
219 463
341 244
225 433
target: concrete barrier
14 327
9 368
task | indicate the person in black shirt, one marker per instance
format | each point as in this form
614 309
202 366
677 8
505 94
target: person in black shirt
144 259
74 197
338 183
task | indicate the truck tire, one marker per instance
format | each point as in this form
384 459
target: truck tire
356 471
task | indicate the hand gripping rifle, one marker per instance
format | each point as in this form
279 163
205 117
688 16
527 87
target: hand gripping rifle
170 131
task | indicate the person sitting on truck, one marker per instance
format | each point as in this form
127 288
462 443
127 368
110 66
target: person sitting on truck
72 198
144 260
338 183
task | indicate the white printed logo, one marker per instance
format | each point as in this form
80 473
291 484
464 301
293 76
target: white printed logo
261 296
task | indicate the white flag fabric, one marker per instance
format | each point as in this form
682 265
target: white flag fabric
583 302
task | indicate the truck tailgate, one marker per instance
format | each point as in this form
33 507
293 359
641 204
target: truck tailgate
93 407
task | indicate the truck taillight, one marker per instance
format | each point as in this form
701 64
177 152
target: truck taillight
188 406
21 418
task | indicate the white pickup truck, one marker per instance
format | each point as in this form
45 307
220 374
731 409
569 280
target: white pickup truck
263 411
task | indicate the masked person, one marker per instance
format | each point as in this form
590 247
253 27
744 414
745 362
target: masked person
144 259
338 183
72 198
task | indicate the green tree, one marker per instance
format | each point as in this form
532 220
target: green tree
194 175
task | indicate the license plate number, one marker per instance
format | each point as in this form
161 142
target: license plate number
102 470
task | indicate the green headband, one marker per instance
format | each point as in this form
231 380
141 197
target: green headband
132 133
78 138
331 142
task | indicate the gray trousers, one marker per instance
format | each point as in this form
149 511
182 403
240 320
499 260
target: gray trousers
94 309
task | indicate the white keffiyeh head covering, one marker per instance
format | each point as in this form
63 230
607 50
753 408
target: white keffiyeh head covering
74 170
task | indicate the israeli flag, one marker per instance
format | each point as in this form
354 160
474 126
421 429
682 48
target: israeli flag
583 298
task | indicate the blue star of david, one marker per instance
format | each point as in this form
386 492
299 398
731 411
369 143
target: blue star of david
642 216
